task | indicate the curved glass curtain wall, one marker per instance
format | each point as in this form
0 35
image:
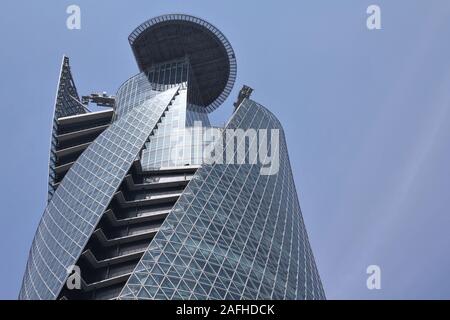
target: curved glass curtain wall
233 234
176 141
83 195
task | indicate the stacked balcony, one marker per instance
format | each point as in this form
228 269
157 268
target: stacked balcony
74 135
132 219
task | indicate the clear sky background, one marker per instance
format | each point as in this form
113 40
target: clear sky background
366 114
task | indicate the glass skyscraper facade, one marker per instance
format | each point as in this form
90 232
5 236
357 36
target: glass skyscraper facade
136 209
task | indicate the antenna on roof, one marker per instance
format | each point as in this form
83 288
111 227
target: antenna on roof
244 93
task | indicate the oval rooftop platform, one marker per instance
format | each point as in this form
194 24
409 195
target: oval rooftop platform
174 36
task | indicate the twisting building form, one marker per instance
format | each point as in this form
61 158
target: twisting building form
132 219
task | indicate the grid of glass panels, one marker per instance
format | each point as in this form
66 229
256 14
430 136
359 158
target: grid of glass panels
66 104
195 114
233 234
172 143
133 93
84 193
159 77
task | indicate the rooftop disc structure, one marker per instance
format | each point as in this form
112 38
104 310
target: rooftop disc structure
210 55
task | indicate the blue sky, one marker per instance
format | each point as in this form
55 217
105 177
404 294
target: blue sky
366 114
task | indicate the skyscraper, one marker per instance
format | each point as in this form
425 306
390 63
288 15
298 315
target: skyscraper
134 209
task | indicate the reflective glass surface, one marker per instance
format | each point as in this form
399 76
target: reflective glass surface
233 234
84 193
170 144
